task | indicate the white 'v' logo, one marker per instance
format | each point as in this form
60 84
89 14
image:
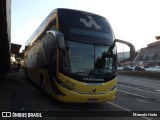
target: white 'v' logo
90 23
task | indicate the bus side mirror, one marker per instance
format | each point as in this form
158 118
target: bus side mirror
132 47
61 42
59 37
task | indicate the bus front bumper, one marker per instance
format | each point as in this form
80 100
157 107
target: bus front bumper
74 97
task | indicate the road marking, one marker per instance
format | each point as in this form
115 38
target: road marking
136 86
146 118
157 91
134 94
119 106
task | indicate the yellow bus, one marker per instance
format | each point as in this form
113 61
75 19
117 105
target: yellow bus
72 56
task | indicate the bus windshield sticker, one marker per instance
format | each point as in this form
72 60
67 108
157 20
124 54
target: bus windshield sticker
90 23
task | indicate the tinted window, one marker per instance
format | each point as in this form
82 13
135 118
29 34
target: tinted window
79 23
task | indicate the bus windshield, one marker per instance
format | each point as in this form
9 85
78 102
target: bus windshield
85 25
88 60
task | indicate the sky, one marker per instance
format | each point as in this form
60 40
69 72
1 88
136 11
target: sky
135 21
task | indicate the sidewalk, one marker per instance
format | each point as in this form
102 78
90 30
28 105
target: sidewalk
5 91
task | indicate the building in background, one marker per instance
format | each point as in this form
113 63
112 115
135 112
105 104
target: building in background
5 35
150 55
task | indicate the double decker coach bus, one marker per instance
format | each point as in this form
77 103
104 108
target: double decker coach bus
72 56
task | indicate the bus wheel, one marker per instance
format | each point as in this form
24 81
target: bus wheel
42 83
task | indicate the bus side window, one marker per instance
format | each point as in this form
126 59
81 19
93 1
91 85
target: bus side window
51 25
41 60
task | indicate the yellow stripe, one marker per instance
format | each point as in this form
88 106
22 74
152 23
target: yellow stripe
82 87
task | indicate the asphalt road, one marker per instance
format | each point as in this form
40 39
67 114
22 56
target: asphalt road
134 95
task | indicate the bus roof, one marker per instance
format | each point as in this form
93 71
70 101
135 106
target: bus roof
40 29
74 10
